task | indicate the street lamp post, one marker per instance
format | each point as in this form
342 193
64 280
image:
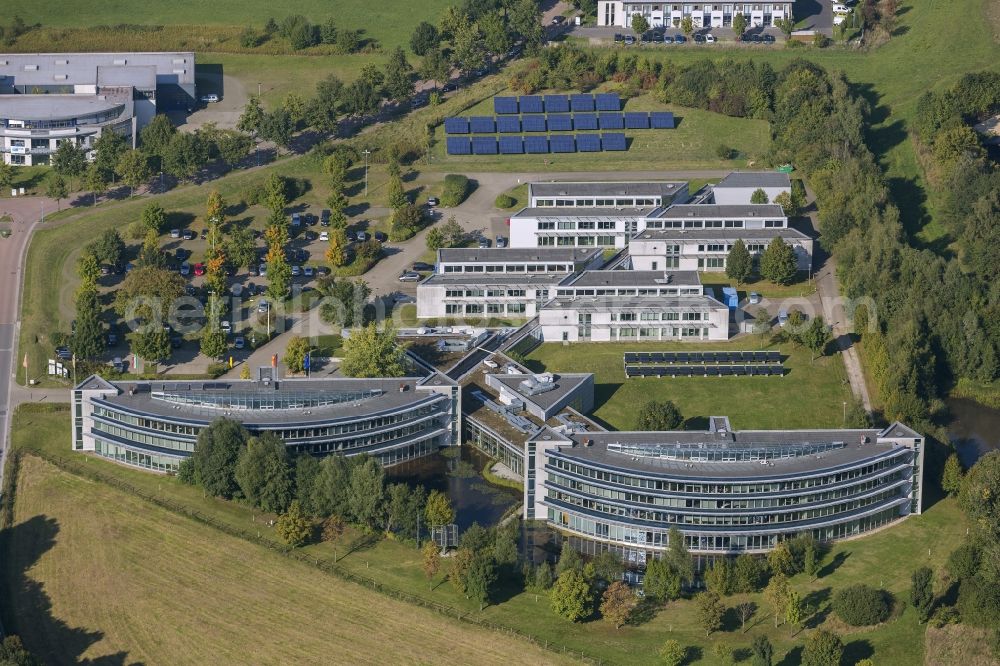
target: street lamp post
367 153
258 90
845 413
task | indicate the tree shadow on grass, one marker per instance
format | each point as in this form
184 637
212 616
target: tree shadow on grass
857 650
643 613
792 658
833 564
819 602
27 610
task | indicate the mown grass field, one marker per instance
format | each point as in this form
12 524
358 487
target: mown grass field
810 395
185 589
92 573
691 144
390 22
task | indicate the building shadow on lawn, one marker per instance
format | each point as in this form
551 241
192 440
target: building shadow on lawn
27 608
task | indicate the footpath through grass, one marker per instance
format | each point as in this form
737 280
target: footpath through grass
170 586
810 394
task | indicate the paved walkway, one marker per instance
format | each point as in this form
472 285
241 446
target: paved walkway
828 287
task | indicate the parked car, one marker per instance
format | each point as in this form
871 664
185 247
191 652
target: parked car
754 298
668 39
252 271
782 317
351 236
629 40
118 364
262 307
226 326
210 99
322 271
239 343
187 234
768 39
182 254
324 236
556 20
262 270
699 39
380 237
501 241
296 271
112 339
236 289
362 237
199 269
432 201
680 39
484 242
308 271
310 219
296 220
422 266
710 38
175 233
409 276
324 217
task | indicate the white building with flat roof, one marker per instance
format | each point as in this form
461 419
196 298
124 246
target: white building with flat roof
49 98
738 187
699 237
703 15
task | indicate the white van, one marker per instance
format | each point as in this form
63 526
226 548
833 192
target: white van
840 9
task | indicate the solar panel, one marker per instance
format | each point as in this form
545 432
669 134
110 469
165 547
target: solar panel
536 144
584 121
588 143
774 356
661 120
458 145
562 143
613 141
484 145
560 122
482 125
581 102
533 123
511 145
612 121
608 102
636 120
456 125
502 105
508 124
556 104
531 104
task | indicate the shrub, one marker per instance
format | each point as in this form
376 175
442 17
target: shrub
861 605
406 222
456 189
218 369
724 152
504 201
979 602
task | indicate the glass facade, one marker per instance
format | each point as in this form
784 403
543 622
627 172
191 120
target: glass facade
636 509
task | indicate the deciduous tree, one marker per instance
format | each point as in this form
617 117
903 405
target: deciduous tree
778 263
294 527
739 263
216 454
656 415
823 648
264 473
951 477
439 510
617 603
571 597
710 611
431 562
371 352
759 196
295 354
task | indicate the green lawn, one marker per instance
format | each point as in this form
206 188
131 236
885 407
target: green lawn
801 287
691 145
171 590
81 563
390 23
810 395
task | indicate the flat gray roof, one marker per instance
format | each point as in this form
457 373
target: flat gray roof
390 398
41 69
473 279
606 188
604 213
143 77
516 254
636 279
565 383
855 450
697 211
57 107
720 234
756 179
615 303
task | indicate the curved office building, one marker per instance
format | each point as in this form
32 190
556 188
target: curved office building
726 491
155 425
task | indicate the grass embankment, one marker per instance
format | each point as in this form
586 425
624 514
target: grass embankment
809 395
692 144
170 590
142 532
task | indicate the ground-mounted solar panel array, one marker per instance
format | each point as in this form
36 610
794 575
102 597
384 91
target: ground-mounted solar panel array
704 364
552 116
